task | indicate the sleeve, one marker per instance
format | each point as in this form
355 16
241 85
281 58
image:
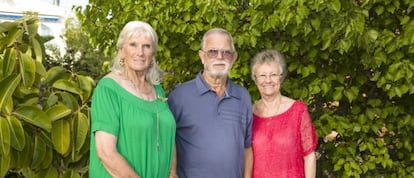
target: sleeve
173 104
249 123
105 110
308 135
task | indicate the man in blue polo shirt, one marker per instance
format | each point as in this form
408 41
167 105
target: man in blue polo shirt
213 116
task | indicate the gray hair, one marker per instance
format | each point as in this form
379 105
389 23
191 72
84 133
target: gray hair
220 31
269 56
154 74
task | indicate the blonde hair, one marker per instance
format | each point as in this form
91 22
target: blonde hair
154 74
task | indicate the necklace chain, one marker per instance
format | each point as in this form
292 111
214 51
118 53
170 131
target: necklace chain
148 98
270 108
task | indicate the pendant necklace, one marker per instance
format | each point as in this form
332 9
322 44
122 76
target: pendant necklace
148 98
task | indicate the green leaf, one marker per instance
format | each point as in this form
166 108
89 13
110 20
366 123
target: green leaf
86 85
40 69
372 34
28 68
71 174
7 26
35 116
9 61
38 153
82 129
51 173
7 87
337 95
58 111
18 140
61 136
37 48
69 100
379 9
55 73
69 86
4 137
47 161
336 5
12 36
4 164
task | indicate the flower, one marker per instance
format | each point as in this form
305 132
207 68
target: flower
330 136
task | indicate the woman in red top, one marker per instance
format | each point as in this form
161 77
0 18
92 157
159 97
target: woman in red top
284 138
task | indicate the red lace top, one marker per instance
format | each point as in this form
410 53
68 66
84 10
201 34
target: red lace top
280 142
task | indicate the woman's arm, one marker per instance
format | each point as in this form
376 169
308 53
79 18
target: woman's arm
173 169
310 165
113 162
248 162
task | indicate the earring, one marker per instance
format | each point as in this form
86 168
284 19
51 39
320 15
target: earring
122 62
152 63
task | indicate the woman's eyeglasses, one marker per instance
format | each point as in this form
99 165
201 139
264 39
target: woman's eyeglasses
213 53
272 76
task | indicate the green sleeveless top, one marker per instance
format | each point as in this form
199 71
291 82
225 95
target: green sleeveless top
145 130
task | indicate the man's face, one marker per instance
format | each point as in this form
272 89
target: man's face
217 56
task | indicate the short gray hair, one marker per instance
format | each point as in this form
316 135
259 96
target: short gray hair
220 31
269 56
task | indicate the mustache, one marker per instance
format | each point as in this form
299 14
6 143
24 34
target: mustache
219 63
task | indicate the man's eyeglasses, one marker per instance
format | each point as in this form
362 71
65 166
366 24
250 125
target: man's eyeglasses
272 76
213 53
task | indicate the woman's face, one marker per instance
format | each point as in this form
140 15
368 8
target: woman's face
268 78
138 52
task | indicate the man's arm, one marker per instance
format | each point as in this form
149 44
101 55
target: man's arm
248 162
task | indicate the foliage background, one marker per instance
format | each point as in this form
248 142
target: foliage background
44 112
350 61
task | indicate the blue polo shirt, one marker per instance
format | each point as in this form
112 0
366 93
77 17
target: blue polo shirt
211 132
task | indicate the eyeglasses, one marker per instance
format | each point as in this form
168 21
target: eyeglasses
213 53
272 76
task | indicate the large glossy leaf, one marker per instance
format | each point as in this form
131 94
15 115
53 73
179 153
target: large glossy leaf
23 158
55 73
61 136
40 69
8 109
47 161
86 84
57 112
37 49
9 61
31 26
71 174
34 115
7 87
81 132
12 36
51 172
4 164
7 26
69 100
4 137
28 69
69 86
18 140
39 152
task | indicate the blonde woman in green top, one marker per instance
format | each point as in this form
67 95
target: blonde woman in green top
133 130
